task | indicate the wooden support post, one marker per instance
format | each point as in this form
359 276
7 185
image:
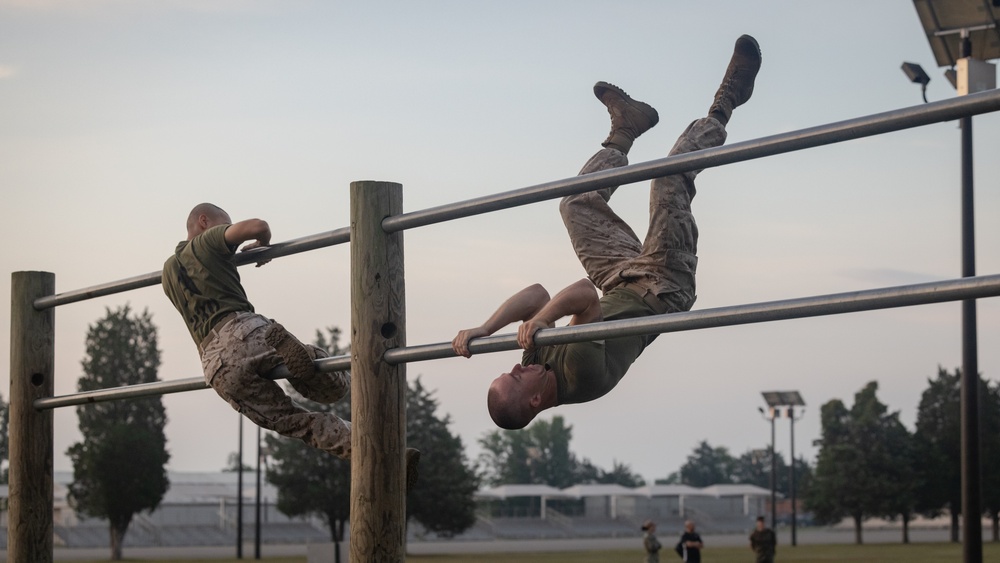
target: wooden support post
32 359
378 405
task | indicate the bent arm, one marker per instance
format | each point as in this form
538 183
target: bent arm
251 229
578 301
521 306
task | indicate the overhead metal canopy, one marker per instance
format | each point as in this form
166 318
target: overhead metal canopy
944 20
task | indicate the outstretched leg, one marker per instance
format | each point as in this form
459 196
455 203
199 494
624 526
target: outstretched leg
601 239
232 363
668 261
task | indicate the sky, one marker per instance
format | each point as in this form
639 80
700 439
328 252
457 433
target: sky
118 116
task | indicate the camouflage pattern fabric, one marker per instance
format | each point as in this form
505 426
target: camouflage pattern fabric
233 362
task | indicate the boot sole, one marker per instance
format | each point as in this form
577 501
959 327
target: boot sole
293 353
646 109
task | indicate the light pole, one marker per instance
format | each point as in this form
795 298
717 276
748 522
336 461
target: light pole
791 473
256 520
963 34
239 494
775 400
770 414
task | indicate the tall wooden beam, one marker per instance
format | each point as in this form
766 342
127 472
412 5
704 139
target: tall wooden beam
32 359
378 415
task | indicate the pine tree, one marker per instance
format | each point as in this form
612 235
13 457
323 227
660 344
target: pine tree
119 469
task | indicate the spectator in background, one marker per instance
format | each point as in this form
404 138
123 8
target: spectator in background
763 542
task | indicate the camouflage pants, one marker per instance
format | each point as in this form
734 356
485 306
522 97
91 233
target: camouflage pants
664 264
233 363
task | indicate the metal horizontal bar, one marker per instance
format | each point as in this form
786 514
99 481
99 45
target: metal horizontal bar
118 393
886 122
833 304
293 246
851 302
335 363
857 128
959 30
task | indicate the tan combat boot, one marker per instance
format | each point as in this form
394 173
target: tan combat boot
296 355
737 85
629 118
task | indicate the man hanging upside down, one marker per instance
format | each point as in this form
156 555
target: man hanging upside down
637 279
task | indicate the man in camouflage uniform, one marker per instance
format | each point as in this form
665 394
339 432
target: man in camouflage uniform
636 278
763 542
239 347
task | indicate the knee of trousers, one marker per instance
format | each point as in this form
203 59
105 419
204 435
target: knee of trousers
571 204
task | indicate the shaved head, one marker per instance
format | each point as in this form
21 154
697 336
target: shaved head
213 212
507 413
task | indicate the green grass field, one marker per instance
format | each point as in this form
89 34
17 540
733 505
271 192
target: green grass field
913 553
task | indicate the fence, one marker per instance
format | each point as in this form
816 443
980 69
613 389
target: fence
378 325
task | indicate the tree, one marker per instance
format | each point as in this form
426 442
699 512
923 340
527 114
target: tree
900 473
672 479
754 468
119 469
990 435
707 466
442 500
938 447
856 468
311 481
621 474
233 464
539 454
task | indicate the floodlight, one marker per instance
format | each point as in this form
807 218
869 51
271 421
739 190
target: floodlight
916 73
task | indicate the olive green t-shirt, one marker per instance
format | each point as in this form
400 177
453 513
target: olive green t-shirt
201 280
588 370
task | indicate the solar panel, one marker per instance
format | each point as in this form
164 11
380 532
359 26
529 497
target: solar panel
943 21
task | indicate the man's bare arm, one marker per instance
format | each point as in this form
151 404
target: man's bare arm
578 300
251 229
256 230
521 306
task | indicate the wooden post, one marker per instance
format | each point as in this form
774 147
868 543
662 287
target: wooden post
32 359
378 405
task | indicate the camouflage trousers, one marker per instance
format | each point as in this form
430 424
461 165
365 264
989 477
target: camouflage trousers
234 362
664 264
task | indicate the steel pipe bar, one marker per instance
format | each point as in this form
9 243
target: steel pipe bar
287 248
833 304
126 392
334 363
857 128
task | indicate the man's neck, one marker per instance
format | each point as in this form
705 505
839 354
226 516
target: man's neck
550 394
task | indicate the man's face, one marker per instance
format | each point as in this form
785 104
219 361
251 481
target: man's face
760 525
521 382
689 527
